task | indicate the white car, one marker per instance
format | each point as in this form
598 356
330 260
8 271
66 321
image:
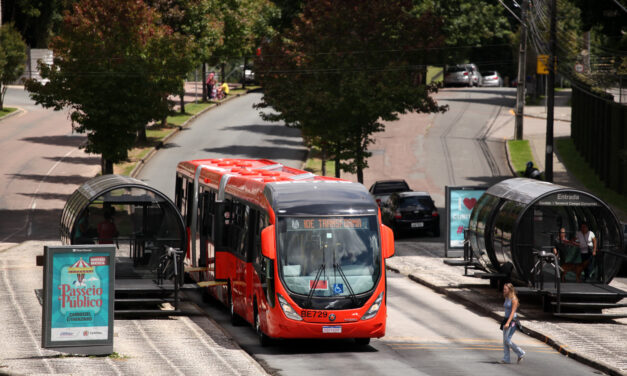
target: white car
492 78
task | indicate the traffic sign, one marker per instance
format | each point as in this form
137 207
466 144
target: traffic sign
579 68
543 64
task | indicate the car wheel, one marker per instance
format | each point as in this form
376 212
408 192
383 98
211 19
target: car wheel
436 232
362 341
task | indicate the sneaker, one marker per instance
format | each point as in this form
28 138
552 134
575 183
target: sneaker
503 362
521 358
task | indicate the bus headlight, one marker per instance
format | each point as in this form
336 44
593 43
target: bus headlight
288 310
374 308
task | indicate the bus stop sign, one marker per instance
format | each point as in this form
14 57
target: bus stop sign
78 299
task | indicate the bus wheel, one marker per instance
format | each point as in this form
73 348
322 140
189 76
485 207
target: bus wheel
264 340
362 341
235 319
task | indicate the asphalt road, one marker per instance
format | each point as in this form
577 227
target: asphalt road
427 334
232 130
41 165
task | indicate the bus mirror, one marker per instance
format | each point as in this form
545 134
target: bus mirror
387 241
268 242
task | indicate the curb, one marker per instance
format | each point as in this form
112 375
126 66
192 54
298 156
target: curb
509 159
140 164
14 113
530 332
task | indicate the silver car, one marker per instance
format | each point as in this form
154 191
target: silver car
492 78
458 75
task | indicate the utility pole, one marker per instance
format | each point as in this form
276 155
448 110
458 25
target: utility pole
522 64
550 96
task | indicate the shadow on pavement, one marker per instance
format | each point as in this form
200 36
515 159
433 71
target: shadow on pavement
504 91
494 101
77 160
43 225
75 141
48 196
260 152
55 179
488 180
287 142
268 129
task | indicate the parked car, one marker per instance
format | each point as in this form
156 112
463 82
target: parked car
458 75
411 211
382 189
492 78
476 78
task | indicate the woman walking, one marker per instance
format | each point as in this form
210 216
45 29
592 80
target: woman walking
509 324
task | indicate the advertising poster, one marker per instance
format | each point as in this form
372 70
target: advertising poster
460 202
79 296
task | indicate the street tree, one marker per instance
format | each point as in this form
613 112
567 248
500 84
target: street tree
343 69
12 58
113 67
245 23
198 20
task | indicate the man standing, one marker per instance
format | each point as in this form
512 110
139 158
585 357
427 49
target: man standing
587 243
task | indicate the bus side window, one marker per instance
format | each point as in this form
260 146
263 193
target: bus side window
243 229
208 213
178 192
189 202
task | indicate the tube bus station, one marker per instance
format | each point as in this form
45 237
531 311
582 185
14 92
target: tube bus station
526 231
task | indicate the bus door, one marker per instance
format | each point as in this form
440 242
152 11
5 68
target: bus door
241 225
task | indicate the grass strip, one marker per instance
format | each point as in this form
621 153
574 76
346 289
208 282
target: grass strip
576 165
520 154
7 110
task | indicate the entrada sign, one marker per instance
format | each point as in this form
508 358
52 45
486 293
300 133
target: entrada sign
78 299
567 199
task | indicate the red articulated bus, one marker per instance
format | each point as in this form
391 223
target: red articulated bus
294 254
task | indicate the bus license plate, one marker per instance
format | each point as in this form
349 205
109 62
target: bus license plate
331 329
417 224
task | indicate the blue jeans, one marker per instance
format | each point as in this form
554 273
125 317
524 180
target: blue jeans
508 333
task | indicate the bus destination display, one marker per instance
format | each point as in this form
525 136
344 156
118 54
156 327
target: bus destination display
328 223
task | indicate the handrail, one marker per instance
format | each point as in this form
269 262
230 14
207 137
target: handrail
542 256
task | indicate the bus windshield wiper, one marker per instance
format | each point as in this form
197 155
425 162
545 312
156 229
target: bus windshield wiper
315 285
348 285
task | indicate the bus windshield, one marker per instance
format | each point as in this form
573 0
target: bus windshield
329 256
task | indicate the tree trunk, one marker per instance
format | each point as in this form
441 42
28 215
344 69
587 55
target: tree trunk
106 166
141 135
204 84
182 95
223 72
359 159
337 165
324 161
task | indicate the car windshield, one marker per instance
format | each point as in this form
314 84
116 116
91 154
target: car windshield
390 187
418 202
456 69
329 255
489 73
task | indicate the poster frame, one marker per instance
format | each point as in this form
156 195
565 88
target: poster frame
85 347
447 195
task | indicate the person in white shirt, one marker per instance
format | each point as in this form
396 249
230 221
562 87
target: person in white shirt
587 243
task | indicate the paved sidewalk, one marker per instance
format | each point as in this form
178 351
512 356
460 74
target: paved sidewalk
191 345
601 345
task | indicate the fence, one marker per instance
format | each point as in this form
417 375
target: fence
598 130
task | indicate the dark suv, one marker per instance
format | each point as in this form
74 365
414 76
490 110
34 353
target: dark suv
382 189
408 211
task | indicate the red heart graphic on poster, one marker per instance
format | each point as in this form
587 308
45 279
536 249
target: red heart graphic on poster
470 202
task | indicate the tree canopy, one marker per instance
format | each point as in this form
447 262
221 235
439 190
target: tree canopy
114 65
345 67
12 58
